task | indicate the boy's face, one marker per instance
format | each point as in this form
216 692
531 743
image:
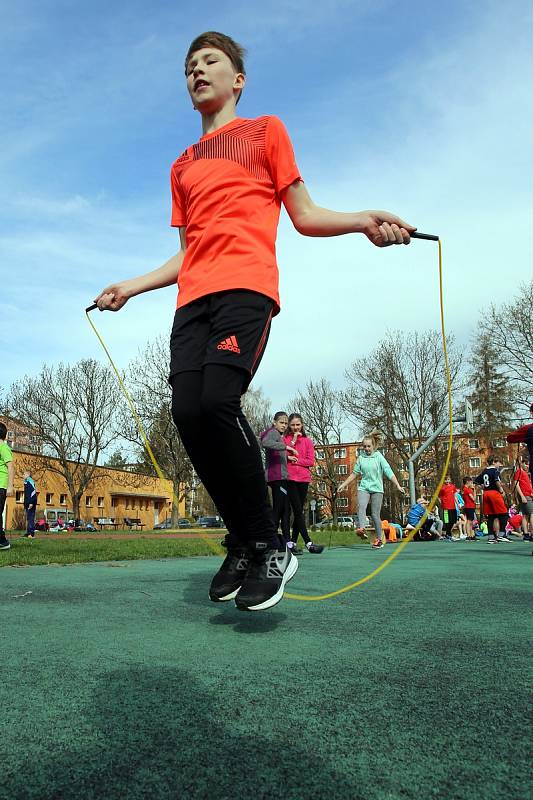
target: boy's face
212 80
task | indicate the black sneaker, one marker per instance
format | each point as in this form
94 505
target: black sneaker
4 543
265 580
378 545
315 548
228 580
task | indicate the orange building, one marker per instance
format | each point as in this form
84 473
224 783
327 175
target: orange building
22 437
112 494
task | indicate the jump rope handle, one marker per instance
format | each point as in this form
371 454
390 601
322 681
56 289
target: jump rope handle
91 308
428 236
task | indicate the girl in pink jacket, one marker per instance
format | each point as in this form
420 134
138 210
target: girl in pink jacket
299 470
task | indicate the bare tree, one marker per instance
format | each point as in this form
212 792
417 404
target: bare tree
72 409
257 409
400 389
324 419
152 397
510 328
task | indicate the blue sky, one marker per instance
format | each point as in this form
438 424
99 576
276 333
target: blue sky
419 108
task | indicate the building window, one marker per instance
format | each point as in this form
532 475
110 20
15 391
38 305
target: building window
88 501
49 498
405 483
100 502
339 452
128 502
114 502
320 454
475 462
62 499
319 470
19 497
341 469
499 443
322 486
342 502
473 444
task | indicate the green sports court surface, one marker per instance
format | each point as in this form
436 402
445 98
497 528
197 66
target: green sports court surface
124 681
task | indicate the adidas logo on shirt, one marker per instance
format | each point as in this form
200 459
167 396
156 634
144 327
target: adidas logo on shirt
229 344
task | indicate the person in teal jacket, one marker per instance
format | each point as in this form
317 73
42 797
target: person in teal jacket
371 466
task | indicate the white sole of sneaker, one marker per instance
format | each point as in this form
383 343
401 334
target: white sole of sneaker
230 596
275 599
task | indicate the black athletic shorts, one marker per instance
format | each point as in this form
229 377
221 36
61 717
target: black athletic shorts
470 513
229 328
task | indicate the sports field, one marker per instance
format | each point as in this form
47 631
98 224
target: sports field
121 680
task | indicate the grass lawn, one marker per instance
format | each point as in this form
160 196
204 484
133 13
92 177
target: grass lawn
73 550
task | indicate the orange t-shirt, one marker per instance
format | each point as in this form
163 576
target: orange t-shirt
226 191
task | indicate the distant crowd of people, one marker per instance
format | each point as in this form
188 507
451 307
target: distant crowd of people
289 455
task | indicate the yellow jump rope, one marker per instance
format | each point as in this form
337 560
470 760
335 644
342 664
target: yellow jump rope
408 538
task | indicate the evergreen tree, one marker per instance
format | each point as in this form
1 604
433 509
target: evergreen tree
116 460
491 391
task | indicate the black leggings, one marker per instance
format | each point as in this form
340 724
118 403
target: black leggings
206 407
3 496
280 507
297 495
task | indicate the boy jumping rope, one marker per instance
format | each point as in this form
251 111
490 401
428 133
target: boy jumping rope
227 191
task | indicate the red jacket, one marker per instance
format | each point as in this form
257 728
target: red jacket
301 471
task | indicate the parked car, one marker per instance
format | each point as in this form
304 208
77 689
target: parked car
210 522
167 525
342 522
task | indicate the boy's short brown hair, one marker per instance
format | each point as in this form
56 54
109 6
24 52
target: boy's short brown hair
234 51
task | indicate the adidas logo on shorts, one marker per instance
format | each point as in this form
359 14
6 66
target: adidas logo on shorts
229 344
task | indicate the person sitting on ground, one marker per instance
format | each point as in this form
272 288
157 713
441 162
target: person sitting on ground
514 524
431 528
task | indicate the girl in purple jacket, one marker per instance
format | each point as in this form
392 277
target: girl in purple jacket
277 476
299 469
